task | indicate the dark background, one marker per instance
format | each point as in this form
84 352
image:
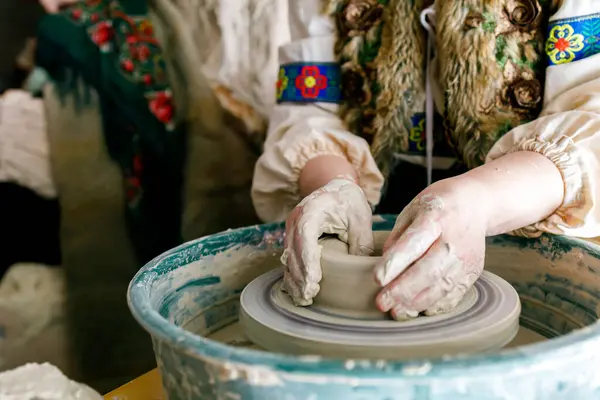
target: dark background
18 20
26 216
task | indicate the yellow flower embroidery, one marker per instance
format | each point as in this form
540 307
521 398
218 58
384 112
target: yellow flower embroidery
417 135
282 83
563 43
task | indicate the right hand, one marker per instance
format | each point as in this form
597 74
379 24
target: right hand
339 208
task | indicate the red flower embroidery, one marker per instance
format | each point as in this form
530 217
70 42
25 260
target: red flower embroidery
76 14
128 65
562 44
103 33
142 53
310 82
162 107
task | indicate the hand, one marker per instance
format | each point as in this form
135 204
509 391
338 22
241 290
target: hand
435 252
52 6
339 208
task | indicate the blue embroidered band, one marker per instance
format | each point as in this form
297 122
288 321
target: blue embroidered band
573 39
416 136
309 83
417 140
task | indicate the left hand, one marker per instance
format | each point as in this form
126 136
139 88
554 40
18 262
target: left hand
436 250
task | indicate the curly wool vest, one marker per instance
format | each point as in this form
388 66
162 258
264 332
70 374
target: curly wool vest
491 61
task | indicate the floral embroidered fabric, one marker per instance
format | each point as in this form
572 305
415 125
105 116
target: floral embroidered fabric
416 137
110 45
306 82
573 39
139 54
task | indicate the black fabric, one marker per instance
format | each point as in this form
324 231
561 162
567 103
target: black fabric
154 223
30 227
407 181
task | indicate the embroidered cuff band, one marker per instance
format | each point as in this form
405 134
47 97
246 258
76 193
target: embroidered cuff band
573 39
309 83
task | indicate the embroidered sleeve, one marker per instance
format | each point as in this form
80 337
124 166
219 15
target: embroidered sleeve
304 124
568 130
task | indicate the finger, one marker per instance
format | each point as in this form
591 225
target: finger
293 270
295 283
414 285
413 243
360 234
293 290
422 302
402 223
290 256
290 225
454 296
294 275
308 251
293 278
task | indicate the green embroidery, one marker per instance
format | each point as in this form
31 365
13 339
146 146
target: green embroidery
501 57
590 32
489 23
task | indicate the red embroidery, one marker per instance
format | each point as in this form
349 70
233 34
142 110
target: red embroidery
128 65
142 53
162 107
141 60
103 33
562 44
310 82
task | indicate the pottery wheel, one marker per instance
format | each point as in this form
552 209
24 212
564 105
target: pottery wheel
486 320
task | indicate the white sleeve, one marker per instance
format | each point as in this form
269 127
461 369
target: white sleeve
568 130
300 132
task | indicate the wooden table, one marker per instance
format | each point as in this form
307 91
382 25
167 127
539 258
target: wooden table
146 387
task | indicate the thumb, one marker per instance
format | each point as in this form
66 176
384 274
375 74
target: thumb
360 234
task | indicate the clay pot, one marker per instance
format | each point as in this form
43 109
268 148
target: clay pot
348 285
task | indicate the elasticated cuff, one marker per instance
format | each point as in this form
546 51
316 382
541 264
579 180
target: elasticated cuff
562 153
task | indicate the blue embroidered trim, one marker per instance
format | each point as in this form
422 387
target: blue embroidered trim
416 136
417 140
309 83
573 39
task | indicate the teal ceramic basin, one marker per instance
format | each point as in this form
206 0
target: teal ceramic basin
192 291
